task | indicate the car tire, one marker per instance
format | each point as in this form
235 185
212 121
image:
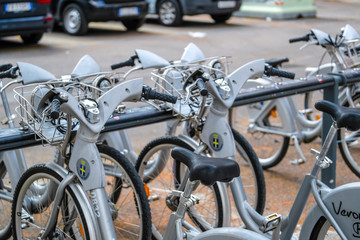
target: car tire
74 20
221 18
32 38
133 24
169 13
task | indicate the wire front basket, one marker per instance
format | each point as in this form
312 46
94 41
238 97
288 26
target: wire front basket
178 80
350 53
34 107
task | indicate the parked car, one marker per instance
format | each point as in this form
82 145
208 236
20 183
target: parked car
171 12
75 15
27 18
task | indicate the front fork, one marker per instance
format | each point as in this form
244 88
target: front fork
99 202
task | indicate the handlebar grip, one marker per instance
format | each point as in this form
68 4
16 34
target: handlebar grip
270 71
55 108
300 39
201 86
149 93
10 73
5 67
128 63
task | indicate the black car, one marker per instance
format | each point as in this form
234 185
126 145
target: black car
75 15
171 12
27 18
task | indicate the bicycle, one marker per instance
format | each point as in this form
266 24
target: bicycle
205 119
280 120
333 213
85 172
12 163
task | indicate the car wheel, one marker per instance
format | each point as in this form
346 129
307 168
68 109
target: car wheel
31 38
221 18
169 13
133 24
74 20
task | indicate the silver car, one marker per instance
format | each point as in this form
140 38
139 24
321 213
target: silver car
171 12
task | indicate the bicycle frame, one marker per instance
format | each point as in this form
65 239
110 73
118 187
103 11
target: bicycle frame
324 197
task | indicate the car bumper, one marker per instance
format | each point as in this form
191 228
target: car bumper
26 25
210 6
100 11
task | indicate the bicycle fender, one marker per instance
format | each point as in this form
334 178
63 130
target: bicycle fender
343 204
323 69
217 135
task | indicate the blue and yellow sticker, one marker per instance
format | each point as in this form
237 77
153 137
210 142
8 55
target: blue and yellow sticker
83 168
216 142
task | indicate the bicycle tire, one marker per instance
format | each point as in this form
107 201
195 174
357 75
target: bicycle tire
158 190
323 230
31 225
349 143
120 177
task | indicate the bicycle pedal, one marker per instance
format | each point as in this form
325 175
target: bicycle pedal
298 161
306 111
154 198
26 218
270 222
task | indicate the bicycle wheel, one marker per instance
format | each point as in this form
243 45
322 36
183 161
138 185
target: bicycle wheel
31 210
252 177
323 230
349 143
131 212
162 181
263 116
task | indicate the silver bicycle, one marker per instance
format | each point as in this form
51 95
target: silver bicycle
78 206
333 216
12 163
273 124
206 95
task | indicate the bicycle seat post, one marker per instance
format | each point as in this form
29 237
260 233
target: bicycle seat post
321 160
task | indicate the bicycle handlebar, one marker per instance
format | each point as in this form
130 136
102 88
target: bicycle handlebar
6 66
149 93
201 86
127 63
9 73
270 71
300 39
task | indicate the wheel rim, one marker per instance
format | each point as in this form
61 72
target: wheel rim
72 20
34 224
167 13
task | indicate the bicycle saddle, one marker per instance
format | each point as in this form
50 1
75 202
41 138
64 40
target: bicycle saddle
206 170
344 116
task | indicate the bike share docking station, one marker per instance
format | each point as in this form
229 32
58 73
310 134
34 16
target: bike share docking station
277 9
134 117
